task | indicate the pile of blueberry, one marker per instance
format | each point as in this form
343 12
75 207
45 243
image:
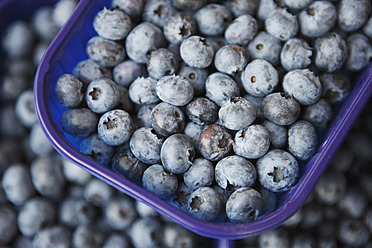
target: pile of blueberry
338 212
214 105
45 200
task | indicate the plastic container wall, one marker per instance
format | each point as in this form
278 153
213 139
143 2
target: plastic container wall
69 48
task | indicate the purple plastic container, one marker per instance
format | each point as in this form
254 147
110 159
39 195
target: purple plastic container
69 48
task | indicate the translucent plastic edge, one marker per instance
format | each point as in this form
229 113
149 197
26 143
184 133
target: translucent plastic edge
340 128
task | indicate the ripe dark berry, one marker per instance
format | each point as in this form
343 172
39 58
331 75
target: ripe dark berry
215 142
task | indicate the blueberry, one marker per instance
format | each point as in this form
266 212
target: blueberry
146 144
196 77
167 119
205 204
278 134
343 160
56 236
158 12
189 5
194 130
94 147
257 103
43 24
87 236
336 87
75 210
265 46
318 18
133 8
302 140
265 7
327 242
8 224
11 87
10 127
297 5
275 238
97 192
142 40
89 70
17 185
212 19
177 153
202 111
124 101
144 210
303 85
244 205
235 171
296 54
241 30
119 213
47 176
260 78
127 71
252 142
352 15
18 39
280 108
3 198
200 174
237 113
62 10
352 233
158 181
162 62
178 237
303 240
331 187
112 24
281 24
175 90
243 7
331 52
143 91
277 171
220 88
115 127
125 163
295 219
143 115
35 215
217 41
365 184
314 215
39 51
215 142
231 59
360 52
367 29
353 203
368 220
182 196
270 200
102 95
197 51
116 240
80 122
179 27
105 52
145 232
319 114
